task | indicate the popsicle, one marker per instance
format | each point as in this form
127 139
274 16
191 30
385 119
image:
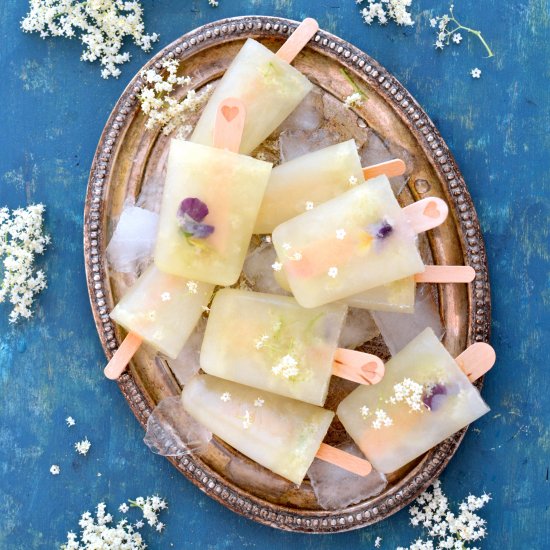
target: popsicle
399 296
266 83
269 342
279 433
354 242
425 397
210 203
161 310
309 180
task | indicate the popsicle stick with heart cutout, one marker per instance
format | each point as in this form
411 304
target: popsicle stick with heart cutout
426 214
358 366
474 362
228 132
298 39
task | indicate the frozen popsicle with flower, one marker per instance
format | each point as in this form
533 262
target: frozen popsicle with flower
309 180
161 310
271 343
354 242
266 83
210 203
281 434
425 397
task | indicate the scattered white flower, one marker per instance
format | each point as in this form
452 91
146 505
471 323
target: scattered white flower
332 272
21 239
101 26
287 246
410 392
457 38
433 22
225 397
151 507
161 108
54 470
206 309
340 234
296 257
476 73
309 205
139 524
123 508
365 412
353 100
378 542
277 266
352 180
387 10
247 419
214 3
152 315
260 342
82 447
382 419
160 526
192 287
444 528
287 367
259 402
267 238
70 421
165 296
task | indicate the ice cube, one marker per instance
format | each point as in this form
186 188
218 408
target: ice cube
358 329
398 329
186 364
258 271
295 143
336 488
150 195
375 151
133 240
307 116
172 432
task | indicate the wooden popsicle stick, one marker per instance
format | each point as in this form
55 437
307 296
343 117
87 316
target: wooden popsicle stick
229 125
358 366
476 360
426 213
446 274
123 355
390 168
344 460
298 39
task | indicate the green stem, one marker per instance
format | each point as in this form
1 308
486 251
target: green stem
471 31
354 85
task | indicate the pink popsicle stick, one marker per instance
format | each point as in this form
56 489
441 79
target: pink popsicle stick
358 366
390 168
122 356
446 274
344 460
426 213
300 37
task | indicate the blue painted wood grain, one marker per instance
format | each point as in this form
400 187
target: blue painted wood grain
53 110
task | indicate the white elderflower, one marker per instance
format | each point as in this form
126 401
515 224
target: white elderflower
287 246
296 257
21 239
332 272
277 266
457 38
353 100
260 342
247 419
54 470
387 10
287 367
70 421
378 542
157 101
82 447
259 402
100 25
309 205
160 526
365 412
381 419
352 180
214 3
192 287
123 508
476 73
225 397
340 234
165 296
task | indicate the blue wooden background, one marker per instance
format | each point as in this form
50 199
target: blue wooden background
53 108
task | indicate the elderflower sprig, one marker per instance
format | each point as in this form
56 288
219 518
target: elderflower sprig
387 10
445 529
21 239
101 26
162 110
448 30
357 97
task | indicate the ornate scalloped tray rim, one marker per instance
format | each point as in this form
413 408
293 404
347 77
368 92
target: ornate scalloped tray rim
308 521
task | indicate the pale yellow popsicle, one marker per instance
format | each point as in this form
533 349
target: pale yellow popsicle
271 343
350 244
279 433
163 309
423 399
269 87
209 206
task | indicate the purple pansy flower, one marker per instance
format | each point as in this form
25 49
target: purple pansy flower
434 399
383 230
190 214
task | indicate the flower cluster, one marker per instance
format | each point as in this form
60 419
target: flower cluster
287 367
163 110
99 531
387 10
448 30
225 397
101 26
410 392
445 529
82 447
21 238
353 100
